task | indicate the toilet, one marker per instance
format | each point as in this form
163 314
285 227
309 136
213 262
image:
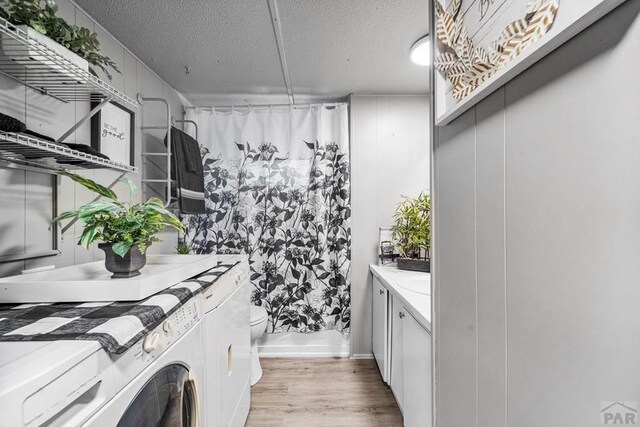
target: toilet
258 326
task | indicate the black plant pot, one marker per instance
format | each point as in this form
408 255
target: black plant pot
411 264
123 267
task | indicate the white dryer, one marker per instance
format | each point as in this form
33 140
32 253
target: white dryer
76 383
227 346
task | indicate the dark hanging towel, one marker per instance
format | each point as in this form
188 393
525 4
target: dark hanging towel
187 172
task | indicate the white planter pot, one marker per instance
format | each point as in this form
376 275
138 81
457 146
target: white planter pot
33 55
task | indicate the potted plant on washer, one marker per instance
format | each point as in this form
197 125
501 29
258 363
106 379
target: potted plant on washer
411 233
44 28
126 230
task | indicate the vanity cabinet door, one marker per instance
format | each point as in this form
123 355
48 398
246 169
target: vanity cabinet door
380 328
416 351
396 379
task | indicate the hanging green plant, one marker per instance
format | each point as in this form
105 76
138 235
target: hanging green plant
43 19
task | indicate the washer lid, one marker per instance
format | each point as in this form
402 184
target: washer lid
258 314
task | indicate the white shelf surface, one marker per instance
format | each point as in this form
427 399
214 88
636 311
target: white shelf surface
91 282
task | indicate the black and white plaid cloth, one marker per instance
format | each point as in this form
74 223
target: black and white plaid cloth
115 325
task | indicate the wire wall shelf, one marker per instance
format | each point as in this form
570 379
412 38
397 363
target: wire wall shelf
34 152
32 63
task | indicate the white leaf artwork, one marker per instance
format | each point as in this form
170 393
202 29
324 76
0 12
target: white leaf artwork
467 66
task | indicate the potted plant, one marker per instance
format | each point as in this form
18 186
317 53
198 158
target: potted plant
126 230
76 44
412 233
183 248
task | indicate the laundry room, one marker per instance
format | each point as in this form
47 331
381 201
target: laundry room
271 213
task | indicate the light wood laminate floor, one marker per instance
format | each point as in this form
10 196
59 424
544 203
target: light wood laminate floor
322 392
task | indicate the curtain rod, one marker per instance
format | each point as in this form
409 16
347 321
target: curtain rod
261 106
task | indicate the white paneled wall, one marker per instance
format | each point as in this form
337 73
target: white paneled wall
26 202
389 159
538 199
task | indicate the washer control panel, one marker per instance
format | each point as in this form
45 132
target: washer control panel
226 284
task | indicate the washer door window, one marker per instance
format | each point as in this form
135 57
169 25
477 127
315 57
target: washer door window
168 399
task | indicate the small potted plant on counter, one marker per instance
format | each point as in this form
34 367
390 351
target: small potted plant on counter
76 44
126 230
411 233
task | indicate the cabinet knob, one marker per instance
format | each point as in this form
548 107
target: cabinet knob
401 315
381 292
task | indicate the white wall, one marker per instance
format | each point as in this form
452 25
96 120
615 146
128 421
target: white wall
26 204
389 158
537 204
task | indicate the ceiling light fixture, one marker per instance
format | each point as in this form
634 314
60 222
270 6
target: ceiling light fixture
420 52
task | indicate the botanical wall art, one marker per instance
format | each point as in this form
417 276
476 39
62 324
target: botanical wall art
482 44
467 66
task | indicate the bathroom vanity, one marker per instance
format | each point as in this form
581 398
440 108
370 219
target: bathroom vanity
402 339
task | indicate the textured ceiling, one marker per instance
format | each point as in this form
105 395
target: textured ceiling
333 47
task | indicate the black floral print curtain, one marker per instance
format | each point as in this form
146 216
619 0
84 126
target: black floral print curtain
292 217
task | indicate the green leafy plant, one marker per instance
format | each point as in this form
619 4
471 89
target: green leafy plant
122 224
183 249
412 229
44 20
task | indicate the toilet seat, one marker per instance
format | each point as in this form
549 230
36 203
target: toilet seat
258 315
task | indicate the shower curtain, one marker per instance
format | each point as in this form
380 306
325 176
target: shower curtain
277 189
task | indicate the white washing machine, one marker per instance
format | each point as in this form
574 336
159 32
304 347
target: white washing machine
227 346
168 391
157 382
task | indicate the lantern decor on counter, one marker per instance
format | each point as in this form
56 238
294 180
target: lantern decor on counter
387 250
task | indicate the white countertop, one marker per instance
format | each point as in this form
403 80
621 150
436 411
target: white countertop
418 304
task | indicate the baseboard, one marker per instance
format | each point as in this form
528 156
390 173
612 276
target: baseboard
362 356
318 344
286 351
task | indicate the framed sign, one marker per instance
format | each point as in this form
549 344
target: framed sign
113 132
482 44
